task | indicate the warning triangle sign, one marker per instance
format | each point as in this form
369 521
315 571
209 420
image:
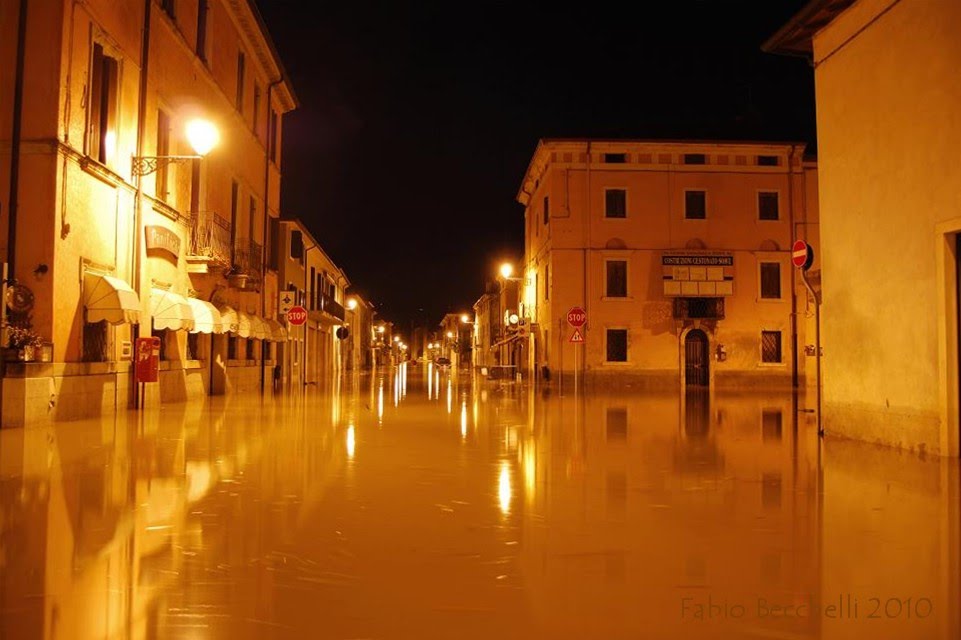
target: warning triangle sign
577 336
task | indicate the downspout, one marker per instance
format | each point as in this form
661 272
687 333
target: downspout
138 179
265 348
15 143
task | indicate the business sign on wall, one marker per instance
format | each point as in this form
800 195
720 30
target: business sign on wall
698 275
163 240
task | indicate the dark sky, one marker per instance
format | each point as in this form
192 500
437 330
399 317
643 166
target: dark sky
417 120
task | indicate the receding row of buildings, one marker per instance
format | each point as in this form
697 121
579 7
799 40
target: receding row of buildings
140 177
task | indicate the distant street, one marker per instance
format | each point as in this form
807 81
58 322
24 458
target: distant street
425 503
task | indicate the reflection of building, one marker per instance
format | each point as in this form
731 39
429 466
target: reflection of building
678 252
313 353
887 104
112 248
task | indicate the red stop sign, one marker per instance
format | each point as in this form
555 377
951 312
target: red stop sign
297 315
576 317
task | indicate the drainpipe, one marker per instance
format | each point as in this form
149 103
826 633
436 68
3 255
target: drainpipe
138 179
15 144
790 209
264 349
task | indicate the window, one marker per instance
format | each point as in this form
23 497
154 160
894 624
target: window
547 282
313 288
232 347
250 349
234 203
194 187
296 245
252 218
616 279
615 158
193 346
771 424
241 64
273 244
163 149
695 158
615 203
104 81
202 9
771 346
695 205
770 281
95 341
617 345
547 209
256 116
767 161
272 135
767 205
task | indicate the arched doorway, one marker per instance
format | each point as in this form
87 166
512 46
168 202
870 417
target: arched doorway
696 373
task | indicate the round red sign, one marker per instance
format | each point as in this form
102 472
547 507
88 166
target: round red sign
802 255
297 315
576 317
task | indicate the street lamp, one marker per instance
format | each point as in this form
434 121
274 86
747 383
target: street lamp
351 303
202 136
507 270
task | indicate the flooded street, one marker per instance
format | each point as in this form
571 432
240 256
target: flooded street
425 504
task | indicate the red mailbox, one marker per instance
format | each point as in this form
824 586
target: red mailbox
147 360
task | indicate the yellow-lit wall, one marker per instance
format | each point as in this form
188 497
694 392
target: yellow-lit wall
577 239
887 102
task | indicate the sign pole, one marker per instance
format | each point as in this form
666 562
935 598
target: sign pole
802 256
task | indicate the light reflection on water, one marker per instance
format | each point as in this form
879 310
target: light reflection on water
530 515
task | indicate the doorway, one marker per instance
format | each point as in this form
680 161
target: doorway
696 373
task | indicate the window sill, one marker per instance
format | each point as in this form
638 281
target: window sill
101 171
617 298
770 300
686 219
610 363
616 217
772 365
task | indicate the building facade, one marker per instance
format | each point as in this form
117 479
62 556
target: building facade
117 226
315 353
887 96
678 252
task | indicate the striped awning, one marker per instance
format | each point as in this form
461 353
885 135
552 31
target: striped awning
170 311
277 331
207 318
228 316
111 299
259 329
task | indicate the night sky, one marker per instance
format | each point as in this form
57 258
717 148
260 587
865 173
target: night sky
417 121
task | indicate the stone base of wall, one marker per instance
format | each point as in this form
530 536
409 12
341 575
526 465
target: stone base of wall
243 376
670 380
900 427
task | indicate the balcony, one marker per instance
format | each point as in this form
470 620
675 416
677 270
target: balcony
248 264
209 242
326 308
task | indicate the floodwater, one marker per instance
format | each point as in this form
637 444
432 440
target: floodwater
414 503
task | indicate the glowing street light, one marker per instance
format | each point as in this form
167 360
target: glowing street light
450 334
202 136
381 329
465 318
396 338
351 303
507 270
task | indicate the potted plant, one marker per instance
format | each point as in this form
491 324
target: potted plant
22 340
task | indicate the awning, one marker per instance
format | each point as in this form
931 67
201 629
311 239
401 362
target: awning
277 331
259 329
170 311
228 316
244 324
111 299
206 317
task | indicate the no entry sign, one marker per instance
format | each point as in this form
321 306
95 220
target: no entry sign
576 317
802 255
297 315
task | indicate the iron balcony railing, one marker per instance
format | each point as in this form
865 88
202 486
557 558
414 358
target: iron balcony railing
210 237
248 258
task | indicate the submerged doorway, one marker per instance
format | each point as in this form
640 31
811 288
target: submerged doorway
696 372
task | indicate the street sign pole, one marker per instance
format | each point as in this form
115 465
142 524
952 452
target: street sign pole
802 256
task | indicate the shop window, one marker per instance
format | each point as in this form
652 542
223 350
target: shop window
95 341
768 207
232 348
615 203
251 349
193 346
771 346
770 281
617 345
616 279
695 205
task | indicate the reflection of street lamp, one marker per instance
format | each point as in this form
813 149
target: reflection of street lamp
202 136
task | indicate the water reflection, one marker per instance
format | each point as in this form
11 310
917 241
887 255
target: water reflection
612 516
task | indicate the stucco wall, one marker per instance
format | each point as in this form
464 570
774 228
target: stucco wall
888 92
